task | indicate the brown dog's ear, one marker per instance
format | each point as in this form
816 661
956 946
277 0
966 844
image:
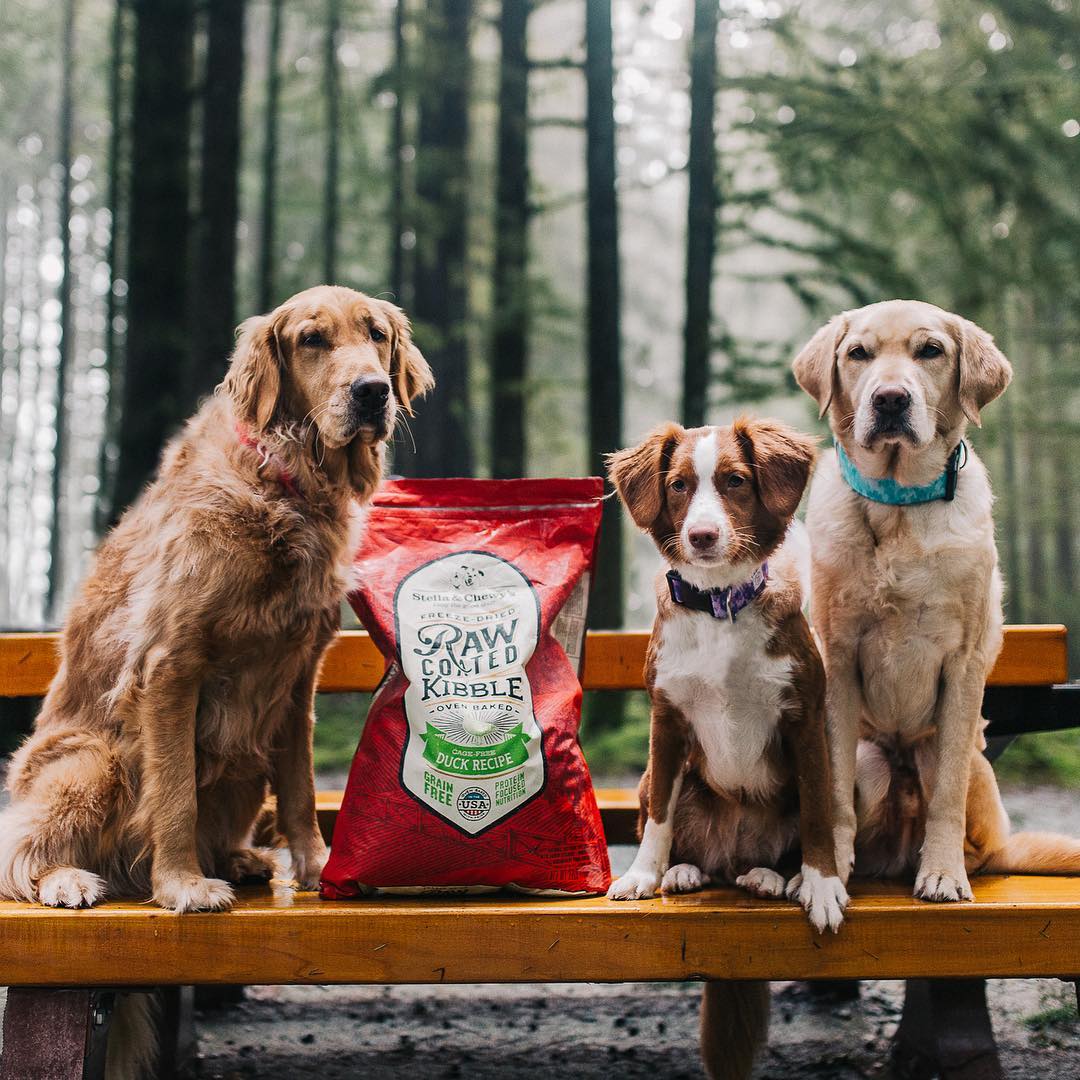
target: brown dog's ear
984 371
815 366
253 380
409 371
781 458
638 473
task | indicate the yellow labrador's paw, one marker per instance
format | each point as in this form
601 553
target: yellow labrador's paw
763 882
824 899
189 892
307 867
635 885
70 887
938 884
683 877
248 863
844 845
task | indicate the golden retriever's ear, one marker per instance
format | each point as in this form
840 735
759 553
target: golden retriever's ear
253 381
815 366
638 473
409 371
984 372
781 458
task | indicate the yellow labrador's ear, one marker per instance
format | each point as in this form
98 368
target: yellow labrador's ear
815 366
984 372
409 371
781 458
253 380
638 473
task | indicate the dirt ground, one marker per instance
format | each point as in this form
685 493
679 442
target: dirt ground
490 1032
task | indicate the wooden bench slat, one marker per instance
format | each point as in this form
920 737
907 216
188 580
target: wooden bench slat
1018 926
614 660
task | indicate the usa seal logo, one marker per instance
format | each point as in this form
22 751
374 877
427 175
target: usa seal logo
473 803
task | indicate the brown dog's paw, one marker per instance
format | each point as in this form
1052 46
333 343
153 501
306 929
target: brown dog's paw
248 864
307 867
188 892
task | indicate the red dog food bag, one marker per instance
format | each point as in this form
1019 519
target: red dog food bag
469 775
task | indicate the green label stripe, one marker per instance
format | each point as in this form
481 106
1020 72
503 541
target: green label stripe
475 760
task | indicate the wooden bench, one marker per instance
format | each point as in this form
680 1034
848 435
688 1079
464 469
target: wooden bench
64 966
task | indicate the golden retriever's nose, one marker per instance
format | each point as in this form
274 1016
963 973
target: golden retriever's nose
369 397
890 400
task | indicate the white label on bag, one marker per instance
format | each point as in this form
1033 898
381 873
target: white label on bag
467 624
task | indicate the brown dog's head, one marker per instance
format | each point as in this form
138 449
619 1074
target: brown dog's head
715 499
330 358
901 373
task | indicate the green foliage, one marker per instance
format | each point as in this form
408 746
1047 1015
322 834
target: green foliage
338 724
1049 757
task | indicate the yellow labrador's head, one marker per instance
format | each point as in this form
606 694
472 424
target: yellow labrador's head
901 372
331 358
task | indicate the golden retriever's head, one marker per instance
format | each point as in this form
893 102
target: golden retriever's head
331 358
901 373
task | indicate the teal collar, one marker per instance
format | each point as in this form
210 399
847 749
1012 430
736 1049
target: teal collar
890 492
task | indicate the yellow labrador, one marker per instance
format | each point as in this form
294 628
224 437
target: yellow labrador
907 597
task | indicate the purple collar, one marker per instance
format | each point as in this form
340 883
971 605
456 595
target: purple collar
723 603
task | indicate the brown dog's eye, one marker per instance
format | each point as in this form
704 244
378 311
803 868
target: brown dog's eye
930 350
313 339
377 334
678 485
858 353
735 480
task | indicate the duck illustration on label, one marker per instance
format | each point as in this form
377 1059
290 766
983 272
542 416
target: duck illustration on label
467 626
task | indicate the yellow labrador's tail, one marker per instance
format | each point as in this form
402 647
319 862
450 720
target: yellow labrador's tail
734 1026
1035 853
133 1046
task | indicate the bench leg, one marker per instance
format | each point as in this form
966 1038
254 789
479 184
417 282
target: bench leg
945 1032
55 1034
176 1033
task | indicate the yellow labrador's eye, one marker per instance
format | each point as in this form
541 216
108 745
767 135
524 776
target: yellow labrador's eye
930 350
377 333
678 485
312 339
857 352
735 480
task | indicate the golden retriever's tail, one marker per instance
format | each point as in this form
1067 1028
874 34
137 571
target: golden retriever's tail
734 1026
133 1046
1035 853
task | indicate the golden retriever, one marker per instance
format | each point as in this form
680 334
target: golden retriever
190 654
906 597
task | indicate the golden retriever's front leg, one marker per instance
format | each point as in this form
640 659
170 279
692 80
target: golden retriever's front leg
168 800
294 782
941 874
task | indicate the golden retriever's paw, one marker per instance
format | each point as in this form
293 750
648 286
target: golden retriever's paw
635 885
307 868
247 864
763 882
683 877
188 892
824 899
941 885
70 887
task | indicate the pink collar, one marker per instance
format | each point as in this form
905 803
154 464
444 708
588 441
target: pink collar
285 478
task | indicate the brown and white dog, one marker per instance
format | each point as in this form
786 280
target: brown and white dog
907 598
189 658
738 776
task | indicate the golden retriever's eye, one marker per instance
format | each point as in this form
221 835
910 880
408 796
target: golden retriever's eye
377 333
930 350
312 339
857 352
735 480
678 485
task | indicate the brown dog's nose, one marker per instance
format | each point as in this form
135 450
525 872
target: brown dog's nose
369 397
702 539
890 400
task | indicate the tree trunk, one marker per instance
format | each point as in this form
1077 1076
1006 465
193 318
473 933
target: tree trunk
440 303
266 291
332 94
397 161
701 215
215 282
66 352
604 391
155 383
509 357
